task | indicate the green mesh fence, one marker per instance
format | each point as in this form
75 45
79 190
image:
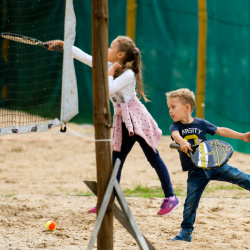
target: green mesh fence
30 76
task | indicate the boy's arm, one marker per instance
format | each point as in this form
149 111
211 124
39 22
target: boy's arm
227 132
185 146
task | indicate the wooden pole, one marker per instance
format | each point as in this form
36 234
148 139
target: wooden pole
102 117
201 71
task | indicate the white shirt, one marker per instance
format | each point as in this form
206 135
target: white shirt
123 85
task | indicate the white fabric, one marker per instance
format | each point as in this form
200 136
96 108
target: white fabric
31 128
123 84
69 99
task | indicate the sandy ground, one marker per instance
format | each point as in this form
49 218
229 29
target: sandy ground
41 179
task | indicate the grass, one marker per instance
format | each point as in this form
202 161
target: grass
148 192
82 193
10 195
138 191
213 189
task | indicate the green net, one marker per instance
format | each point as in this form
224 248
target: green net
30 75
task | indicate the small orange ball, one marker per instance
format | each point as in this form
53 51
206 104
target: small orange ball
50 225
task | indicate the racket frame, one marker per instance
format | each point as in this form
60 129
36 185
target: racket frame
215 165
28 40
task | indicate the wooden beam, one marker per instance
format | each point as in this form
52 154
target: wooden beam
102 117
201 70
120 215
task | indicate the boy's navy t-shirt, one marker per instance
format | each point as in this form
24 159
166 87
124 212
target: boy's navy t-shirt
191 132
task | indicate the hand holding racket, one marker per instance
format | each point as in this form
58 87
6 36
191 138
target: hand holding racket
54 44
28 40
209 154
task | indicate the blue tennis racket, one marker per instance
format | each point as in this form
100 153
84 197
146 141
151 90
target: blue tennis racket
209 154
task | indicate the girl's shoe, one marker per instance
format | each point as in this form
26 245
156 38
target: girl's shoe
169 205
92 210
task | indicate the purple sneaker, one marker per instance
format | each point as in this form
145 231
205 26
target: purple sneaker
168 206
92 210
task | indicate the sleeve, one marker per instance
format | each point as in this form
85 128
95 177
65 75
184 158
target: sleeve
210 128
82 56
174 127
121 81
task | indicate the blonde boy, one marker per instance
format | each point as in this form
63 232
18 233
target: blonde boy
186 130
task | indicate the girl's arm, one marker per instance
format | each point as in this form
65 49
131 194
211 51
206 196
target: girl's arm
185 146
55 43
76 52
81 56
121 81
226 132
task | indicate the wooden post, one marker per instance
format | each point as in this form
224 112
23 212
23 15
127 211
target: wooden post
102 117
201 71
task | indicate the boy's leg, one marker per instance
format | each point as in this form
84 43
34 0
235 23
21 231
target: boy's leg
196 183
232 175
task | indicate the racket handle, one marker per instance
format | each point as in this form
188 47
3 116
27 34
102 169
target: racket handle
175 145
57 48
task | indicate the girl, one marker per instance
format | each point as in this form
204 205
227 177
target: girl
131 122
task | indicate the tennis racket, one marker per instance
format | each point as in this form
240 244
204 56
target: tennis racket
27 40
209 154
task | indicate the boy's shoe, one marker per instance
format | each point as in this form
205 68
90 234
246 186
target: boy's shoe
168 206
182 237
92 210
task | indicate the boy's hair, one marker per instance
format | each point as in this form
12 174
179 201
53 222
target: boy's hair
132 60
185 95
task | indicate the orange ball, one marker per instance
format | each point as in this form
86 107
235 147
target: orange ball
50 225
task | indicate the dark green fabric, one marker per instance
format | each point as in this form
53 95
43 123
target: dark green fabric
166 33
117 26
167 36
228 66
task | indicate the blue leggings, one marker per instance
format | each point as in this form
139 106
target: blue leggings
153 158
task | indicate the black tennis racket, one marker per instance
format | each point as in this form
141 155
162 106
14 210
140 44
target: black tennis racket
209 154
27 40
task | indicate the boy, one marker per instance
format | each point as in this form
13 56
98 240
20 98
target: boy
185 131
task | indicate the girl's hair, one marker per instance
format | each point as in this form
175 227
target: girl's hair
132 60
185 95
